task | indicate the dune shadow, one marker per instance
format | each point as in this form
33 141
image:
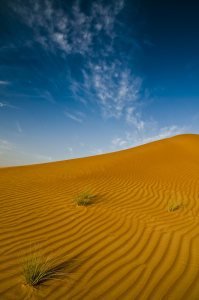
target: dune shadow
97 199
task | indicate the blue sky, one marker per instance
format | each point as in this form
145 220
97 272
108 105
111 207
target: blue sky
81 78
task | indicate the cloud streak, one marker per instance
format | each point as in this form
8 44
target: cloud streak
4 82
8 105
46 95
5 145
72 117
37 156
97 151
19 127
71 150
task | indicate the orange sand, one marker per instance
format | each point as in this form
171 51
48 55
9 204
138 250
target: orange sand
126 245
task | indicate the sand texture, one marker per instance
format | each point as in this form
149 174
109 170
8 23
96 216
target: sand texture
125 245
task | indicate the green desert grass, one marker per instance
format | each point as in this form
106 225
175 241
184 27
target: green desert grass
36 267
84 197
174 205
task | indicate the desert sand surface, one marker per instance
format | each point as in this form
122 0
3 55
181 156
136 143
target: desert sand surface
126 244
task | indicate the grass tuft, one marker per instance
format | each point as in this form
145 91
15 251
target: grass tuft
173 205
84 198
37 267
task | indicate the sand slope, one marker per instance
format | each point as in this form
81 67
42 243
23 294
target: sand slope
126 245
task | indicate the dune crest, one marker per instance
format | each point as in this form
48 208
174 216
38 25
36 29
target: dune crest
125 244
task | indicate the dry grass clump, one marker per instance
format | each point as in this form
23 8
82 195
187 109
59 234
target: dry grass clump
174 205
84 198
37 267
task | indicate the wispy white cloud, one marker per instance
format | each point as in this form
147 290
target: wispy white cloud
4 82
78 89
7 161
5 104
81 114
97 151
118 143
148 43
72 31
45 95
19 127
72 117
170 131
111 85
37 156
107 80
42 157
38 93
123 143
134 118
195 118
6 145
148 134
71 150
137 138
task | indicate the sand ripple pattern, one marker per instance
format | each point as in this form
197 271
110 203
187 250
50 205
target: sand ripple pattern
126 245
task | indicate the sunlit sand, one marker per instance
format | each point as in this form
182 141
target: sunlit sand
125 244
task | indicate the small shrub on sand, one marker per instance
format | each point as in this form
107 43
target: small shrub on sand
84 198
173 205
37 267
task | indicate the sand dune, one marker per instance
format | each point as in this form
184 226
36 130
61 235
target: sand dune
126 245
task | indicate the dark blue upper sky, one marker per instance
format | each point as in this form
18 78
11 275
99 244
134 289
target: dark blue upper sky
80 78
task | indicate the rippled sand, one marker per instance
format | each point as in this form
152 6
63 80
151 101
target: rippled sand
125 245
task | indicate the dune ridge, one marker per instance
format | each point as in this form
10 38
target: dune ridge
126 245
